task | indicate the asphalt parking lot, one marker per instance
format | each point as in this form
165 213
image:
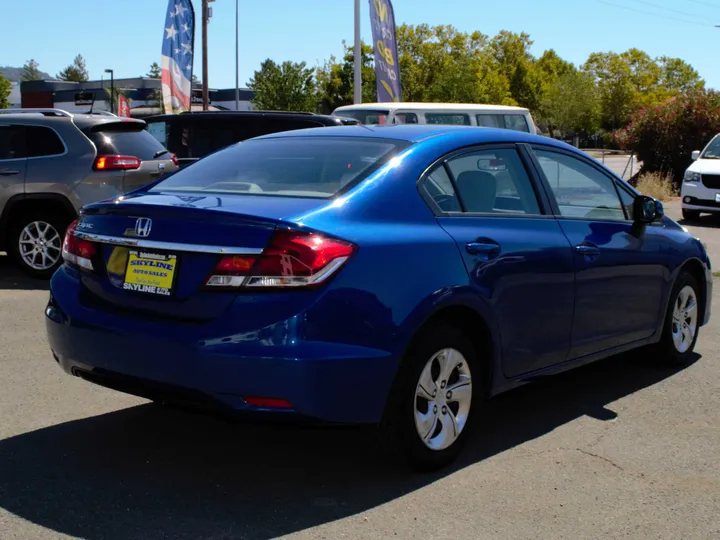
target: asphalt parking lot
618 449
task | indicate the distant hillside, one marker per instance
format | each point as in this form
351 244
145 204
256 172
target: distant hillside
15 73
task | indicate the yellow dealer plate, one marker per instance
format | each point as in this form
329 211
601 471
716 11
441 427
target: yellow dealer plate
150 273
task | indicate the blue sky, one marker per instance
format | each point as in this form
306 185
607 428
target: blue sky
54 31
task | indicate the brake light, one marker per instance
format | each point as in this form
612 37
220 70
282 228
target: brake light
116 163
76 251
291 259
174 159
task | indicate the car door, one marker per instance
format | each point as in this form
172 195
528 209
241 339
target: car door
13 162
517 258
620 275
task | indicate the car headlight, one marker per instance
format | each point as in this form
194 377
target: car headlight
692 176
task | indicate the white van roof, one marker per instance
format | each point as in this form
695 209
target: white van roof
390 106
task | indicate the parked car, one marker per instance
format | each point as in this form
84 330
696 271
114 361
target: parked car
700 190
52 163
398 275
193 135
463 114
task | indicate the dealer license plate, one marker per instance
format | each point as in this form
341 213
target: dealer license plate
150 273
717 197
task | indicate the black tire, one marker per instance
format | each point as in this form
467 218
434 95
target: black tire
690 215
398 427
666 353
55 219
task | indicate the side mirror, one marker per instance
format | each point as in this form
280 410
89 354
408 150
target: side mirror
695 155
646 209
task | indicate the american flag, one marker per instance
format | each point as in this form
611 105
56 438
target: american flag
177 56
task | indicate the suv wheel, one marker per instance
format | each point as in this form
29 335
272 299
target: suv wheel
35 243
690 215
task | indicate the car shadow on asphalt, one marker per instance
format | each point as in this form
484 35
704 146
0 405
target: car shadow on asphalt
150 472
12 278
708 221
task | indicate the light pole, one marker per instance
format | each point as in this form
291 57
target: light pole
112 89
205 17
237 57
357 83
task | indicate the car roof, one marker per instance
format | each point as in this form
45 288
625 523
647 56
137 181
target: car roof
324 118
82 121
418 132
430 107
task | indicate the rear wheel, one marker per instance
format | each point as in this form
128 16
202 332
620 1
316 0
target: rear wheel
435 398
682 323
35 242
690 215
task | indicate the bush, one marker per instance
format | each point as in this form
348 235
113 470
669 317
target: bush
657 185
664 136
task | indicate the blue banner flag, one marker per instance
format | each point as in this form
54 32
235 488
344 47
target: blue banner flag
387 69
177 56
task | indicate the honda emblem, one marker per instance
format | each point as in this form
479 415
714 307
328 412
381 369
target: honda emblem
143 226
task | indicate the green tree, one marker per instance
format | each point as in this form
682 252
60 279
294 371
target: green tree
31 71
75 72
511 52
289 86
336 80
155 71
441 64
572 104
5 89
677 76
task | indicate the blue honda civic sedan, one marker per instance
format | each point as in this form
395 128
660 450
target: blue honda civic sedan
392 275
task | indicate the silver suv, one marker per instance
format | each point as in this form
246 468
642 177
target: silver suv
53 162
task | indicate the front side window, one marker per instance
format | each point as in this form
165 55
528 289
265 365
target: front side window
493 181
286 166
12 142
447 119
581 190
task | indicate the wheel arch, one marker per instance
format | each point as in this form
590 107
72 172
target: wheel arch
24 202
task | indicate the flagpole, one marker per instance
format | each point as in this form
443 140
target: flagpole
358 56
237 57
205 55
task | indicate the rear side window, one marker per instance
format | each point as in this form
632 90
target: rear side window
365 116
286 166
515 122
126 139
447 119
406 118
493 181
42 141
438 185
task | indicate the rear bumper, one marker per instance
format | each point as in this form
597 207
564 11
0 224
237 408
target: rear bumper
328 382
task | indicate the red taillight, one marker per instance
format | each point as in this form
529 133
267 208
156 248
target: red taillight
291 259
116 163
267 403
174 159
76 251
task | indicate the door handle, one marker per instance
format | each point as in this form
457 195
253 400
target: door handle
588 250
485 250
9 172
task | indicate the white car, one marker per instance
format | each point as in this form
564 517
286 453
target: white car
700 189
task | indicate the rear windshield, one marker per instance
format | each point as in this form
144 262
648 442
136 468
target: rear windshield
128 139
286 166
365 116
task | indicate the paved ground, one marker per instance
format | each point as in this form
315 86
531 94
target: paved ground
619 449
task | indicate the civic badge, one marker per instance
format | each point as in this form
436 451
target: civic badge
143 226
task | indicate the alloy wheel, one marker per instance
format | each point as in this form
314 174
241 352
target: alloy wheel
40 245
684 321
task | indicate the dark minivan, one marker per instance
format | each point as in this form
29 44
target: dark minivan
192 135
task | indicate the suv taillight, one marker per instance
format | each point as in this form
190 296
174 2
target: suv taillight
291 259
174 159
116 163
76 251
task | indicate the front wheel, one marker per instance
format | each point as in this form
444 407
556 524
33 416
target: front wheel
435 398
682 323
